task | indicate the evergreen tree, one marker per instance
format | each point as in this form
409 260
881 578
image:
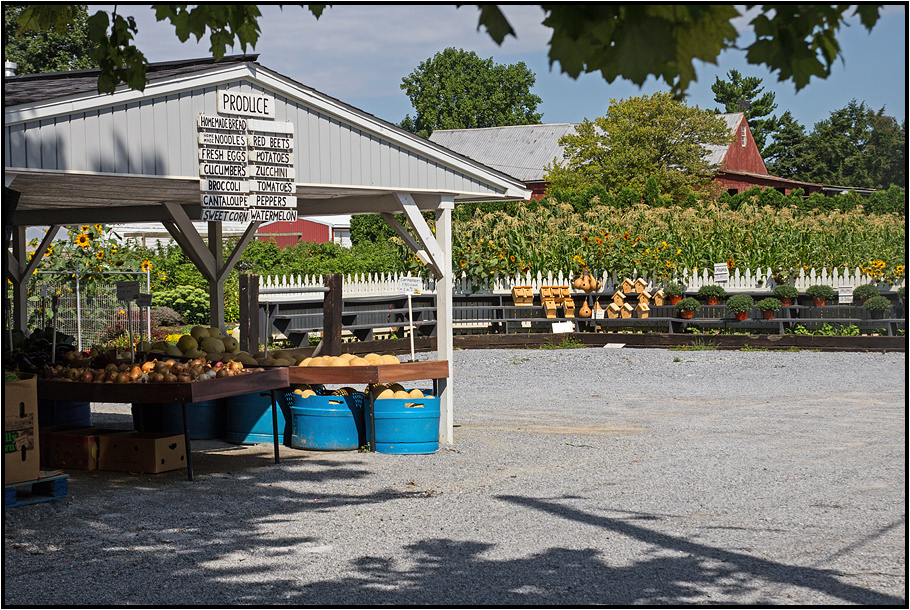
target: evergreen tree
744 94
784 155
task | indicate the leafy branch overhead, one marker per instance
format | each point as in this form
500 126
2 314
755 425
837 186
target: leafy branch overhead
628 41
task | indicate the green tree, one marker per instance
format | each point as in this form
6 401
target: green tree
47 51
630 41
456 89
744 94
640 139
856 146
784 156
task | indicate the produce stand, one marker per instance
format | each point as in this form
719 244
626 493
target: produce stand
267 380
382 373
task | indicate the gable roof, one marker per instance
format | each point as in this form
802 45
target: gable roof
522 151
67 147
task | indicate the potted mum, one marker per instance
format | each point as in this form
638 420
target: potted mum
786 293
674 291
864 292
820 292
739 305
687 308
878 307
712 294
768 307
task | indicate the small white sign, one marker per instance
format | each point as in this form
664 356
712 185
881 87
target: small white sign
143 300
600 314
207 121
219 215
270 126
563 327
213 200
216 185
410 285
272 215
271 171
845 294
127 291
223 155
223 170
271 186
246 104
272 156
211 138
272 201
267 141
721 272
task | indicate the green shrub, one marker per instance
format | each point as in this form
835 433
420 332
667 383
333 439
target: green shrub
739 303
712 290
674 289
190 302
820 291
688 304
878 304
768 304
865 291
785 291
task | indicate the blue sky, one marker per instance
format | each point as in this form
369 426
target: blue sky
360 53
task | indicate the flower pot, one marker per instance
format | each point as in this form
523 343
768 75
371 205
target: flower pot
686 315
863 301
877 314
818 302
674 300
785 302
767 315
712 300
739 316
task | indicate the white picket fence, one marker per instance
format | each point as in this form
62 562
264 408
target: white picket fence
381 284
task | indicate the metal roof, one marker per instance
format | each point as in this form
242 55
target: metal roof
523 151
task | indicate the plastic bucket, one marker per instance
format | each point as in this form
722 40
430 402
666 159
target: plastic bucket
64 413
328 423
206 419
405 425
249 418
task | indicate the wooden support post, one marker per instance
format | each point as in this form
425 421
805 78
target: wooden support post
331 316
249 312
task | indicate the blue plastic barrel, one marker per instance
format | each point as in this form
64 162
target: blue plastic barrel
249 418
328 423
206 419
64 413
405 425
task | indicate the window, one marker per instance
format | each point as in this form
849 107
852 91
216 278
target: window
744 135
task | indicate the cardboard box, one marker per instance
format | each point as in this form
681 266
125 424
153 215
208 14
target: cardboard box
142 452
21 450
73 447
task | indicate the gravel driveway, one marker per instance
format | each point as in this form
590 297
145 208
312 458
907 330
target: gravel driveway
578 476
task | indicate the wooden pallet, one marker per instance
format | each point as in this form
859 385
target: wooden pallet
51 486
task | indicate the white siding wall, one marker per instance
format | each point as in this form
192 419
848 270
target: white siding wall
157 137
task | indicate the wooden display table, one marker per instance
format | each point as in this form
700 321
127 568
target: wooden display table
382 373
268 380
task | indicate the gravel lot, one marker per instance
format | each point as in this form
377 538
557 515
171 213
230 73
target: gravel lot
580 476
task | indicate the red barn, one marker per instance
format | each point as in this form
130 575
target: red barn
289 233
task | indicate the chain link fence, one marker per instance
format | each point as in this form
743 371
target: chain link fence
89 311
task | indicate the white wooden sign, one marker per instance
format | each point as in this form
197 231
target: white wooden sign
214 200
220 215
246 104
260 200
563 327
410 285
216 185
272 215
721 272
845 294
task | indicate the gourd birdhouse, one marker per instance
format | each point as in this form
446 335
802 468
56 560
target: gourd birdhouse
584 311
642 310
613 310
640 285
627 285
659 297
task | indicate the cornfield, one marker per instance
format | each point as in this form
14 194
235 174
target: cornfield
662 242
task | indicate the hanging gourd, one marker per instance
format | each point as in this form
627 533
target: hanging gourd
584 311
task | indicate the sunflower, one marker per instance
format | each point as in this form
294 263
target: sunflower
82 240
84 228
99 228
146 266
99 255
49 251
730 263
